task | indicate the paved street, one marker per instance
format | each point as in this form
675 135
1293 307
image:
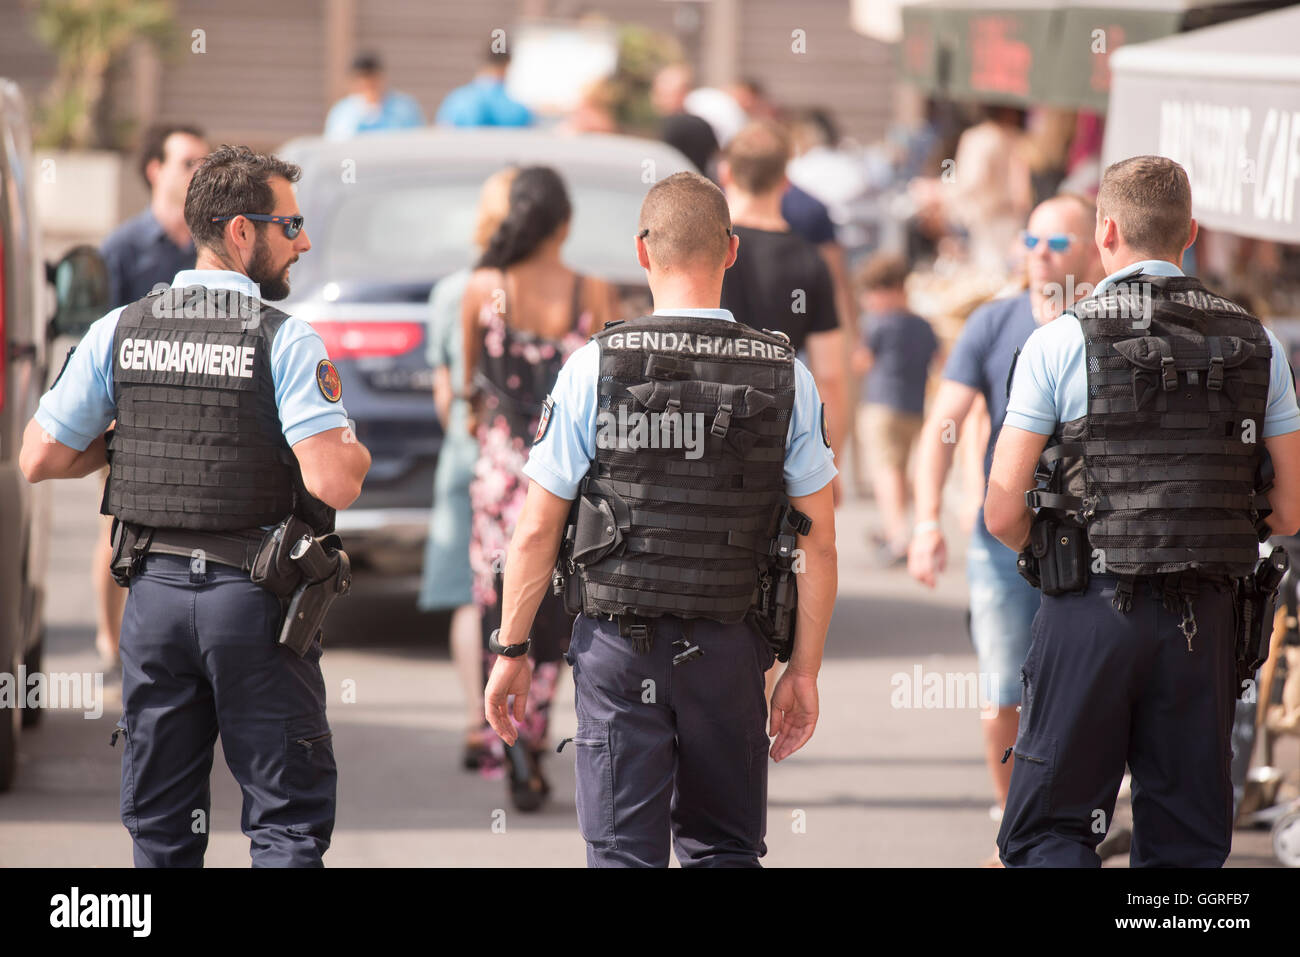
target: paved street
876 785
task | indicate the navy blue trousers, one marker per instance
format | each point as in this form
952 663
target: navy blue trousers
200 657
671 754
1102 688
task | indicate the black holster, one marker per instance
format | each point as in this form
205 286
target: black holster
1056 560
307 573
1256 604
130 545
774 614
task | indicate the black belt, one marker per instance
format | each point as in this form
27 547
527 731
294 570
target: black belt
237 549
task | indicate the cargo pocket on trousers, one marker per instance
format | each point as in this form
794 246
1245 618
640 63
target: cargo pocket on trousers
1033 775
128 779
309 761
595 778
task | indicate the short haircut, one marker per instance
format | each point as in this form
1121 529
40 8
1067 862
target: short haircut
367 64
232 181
1085 203
884 271
757 156
686 223
1149 199
154 145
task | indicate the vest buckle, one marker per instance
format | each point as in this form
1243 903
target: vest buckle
722 421
1215 379
1168 373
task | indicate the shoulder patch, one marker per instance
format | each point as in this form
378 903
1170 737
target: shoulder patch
327 379
544 422
826 432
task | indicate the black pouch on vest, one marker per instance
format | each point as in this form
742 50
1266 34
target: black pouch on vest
597 531
1062 554
273 569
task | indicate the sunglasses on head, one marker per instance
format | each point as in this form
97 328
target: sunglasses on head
292 224
1057 244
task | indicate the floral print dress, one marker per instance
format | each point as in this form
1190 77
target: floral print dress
516 370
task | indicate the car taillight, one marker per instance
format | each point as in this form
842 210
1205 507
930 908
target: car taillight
354 340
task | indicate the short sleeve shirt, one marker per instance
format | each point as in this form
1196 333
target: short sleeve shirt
79 406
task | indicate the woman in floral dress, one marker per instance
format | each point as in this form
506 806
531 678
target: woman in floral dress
524 312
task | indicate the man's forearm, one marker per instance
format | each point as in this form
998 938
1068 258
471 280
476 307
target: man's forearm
933 462
529 563
1016 535
817 586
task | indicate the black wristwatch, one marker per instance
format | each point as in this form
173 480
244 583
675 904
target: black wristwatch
510 651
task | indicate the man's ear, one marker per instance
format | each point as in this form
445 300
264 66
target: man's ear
151 169
724 173
733 249
1191 235
642 254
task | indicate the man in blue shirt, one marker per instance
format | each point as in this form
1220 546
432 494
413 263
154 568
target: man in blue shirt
147 249
484 101
218 436
1113 676
1061 265
662 747
371 106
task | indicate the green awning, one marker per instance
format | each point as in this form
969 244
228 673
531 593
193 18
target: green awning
1040 52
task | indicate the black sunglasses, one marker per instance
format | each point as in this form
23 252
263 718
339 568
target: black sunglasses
292 224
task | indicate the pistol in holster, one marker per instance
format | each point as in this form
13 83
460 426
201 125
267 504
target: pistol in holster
1256 603
307 573
1056 559
592 533
774 614
130 545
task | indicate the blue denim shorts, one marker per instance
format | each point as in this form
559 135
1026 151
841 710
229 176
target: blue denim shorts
1002 609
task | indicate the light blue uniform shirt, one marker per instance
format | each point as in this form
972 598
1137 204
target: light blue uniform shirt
80 405
564 455
354 114
482 102
1050 383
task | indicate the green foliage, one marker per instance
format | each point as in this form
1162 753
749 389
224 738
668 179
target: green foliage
87 38
641 54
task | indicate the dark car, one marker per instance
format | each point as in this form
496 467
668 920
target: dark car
388 215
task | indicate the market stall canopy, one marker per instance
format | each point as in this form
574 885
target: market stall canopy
1041 52
1225 103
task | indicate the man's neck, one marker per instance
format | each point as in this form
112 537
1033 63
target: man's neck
686 292
1129 259
210 259
761 211
171 220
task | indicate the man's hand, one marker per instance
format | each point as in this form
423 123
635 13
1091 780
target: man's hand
510 676
794 713
927 556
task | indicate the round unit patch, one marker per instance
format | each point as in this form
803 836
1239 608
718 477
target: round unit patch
544 422
826 432
327 377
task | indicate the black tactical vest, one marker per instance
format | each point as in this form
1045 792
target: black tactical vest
688 483
198 442
1162 470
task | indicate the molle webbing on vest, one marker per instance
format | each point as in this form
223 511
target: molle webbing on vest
1162 468
693 530
198 442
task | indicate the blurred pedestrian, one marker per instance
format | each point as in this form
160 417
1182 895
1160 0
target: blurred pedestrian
148 249
992 193
779 281
688 134
371 106
1063 263
897 350
483 101
523 313
447 581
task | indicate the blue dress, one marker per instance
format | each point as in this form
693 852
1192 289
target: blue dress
447 578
